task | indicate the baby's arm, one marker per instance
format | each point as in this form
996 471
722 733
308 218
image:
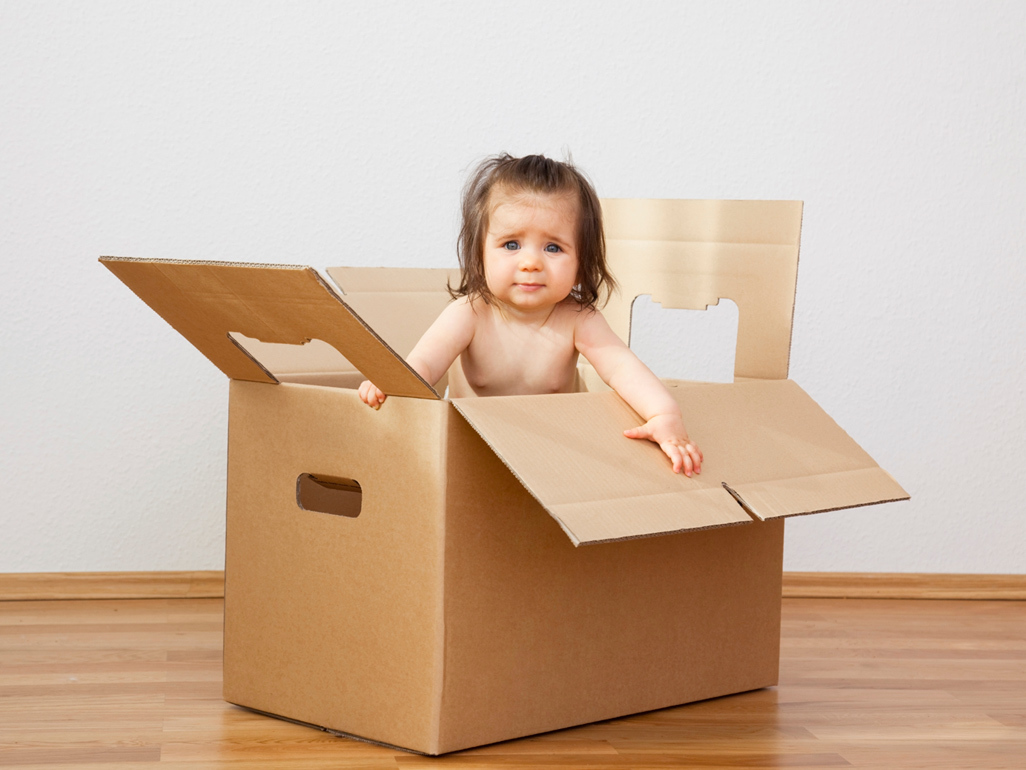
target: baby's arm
624 372
445 339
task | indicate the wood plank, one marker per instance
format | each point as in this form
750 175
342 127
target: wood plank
41 586
37 586
884 585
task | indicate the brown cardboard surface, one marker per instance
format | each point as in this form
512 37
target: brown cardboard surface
453 611
206 301
569 451
334 620
540 635
766 440
399 304
775 448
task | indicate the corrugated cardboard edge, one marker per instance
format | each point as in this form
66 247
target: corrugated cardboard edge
438 701
270 375
794 298
661 533
211 262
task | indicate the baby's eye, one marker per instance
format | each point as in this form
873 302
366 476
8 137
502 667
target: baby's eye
511 245
553 248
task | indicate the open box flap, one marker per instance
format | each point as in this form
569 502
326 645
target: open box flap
692 254
284 304
767 445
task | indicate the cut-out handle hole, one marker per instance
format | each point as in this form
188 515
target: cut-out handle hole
685 344
329 494
310 362
311 355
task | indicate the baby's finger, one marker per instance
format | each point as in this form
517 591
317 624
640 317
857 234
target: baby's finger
639 432
689 465
675 458
370 394
675 454
364 392
695 454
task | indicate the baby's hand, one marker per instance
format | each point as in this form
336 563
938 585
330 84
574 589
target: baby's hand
371 395
667 430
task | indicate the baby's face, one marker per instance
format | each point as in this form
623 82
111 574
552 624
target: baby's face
530 250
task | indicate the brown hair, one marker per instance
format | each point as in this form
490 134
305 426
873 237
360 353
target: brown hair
532 174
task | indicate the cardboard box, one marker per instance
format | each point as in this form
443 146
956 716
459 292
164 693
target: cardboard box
411 576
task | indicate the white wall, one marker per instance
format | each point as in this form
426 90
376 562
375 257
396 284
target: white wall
332 133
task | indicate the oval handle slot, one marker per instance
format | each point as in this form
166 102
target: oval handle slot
329 494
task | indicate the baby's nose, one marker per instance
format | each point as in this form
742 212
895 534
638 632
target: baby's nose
530 260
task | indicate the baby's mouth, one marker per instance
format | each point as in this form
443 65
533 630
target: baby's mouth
530 286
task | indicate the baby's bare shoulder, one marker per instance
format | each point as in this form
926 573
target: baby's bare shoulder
591 329
461 308
457 320
578 314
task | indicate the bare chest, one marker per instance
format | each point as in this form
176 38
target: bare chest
504 360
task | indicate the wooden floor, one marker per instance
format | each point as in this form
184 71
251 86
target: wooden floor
864 683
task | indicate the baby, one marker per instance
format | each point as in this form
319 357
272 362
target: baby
532 255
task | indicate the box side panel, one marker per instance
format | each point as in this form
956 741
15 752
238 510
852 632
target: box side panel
399 303
703 221
394 280
540 635
332 619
